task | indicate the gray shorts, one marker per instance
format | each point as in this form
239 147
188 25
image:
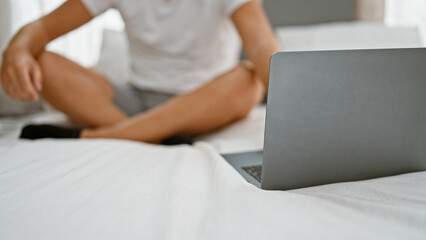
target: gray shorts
132 100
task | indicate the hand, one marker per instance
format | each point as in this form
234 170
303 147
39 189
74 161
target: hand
20 75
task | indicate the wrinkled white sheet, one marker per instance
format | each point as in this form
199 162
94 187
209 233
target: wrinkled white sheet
104 189
246 135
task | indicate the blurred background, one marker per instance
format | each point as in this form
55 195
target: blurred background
84 44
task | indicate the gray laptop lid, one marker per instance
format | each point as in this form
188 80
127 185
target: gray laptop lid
336 116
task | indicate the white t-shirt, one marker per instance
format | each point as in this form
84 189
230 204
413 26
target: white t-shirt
177 45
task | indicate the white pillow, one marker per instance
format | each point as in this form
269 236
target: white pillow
347 35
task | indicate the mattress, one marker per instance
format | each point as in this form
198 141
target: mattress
108 189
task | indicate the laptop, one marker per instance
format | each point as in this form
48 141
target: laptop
338 116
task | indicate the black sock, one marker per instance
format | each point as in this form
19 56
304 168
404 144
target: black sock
49 131
179 139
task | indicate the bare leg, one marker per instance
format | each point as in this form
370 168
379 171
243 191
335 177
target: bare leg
83 95
226 99
86 97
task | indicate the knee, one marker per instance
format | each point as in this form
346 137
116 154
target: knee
246 93
47 63
59 72
45 59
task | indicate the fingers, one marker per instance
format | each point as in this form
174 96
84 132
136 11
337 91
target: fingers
22 80
36 77
9 84
27 90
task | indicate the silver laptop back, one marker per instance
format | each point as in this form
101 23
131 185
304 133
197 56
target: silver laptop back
335 116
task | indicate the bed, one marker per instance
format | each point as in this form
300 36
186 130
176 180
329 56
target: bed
112 189
107 189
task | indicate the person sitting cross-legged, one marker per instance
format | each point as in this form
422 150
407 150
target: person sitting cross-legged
186 78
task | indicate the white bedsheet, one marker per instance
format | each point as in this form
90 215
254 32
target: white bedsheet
244 136
104 189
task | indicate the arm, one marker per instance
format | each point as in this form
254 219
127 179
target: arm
258 37
20 74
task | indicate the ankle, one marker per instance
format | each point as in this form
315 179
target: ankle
86 133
